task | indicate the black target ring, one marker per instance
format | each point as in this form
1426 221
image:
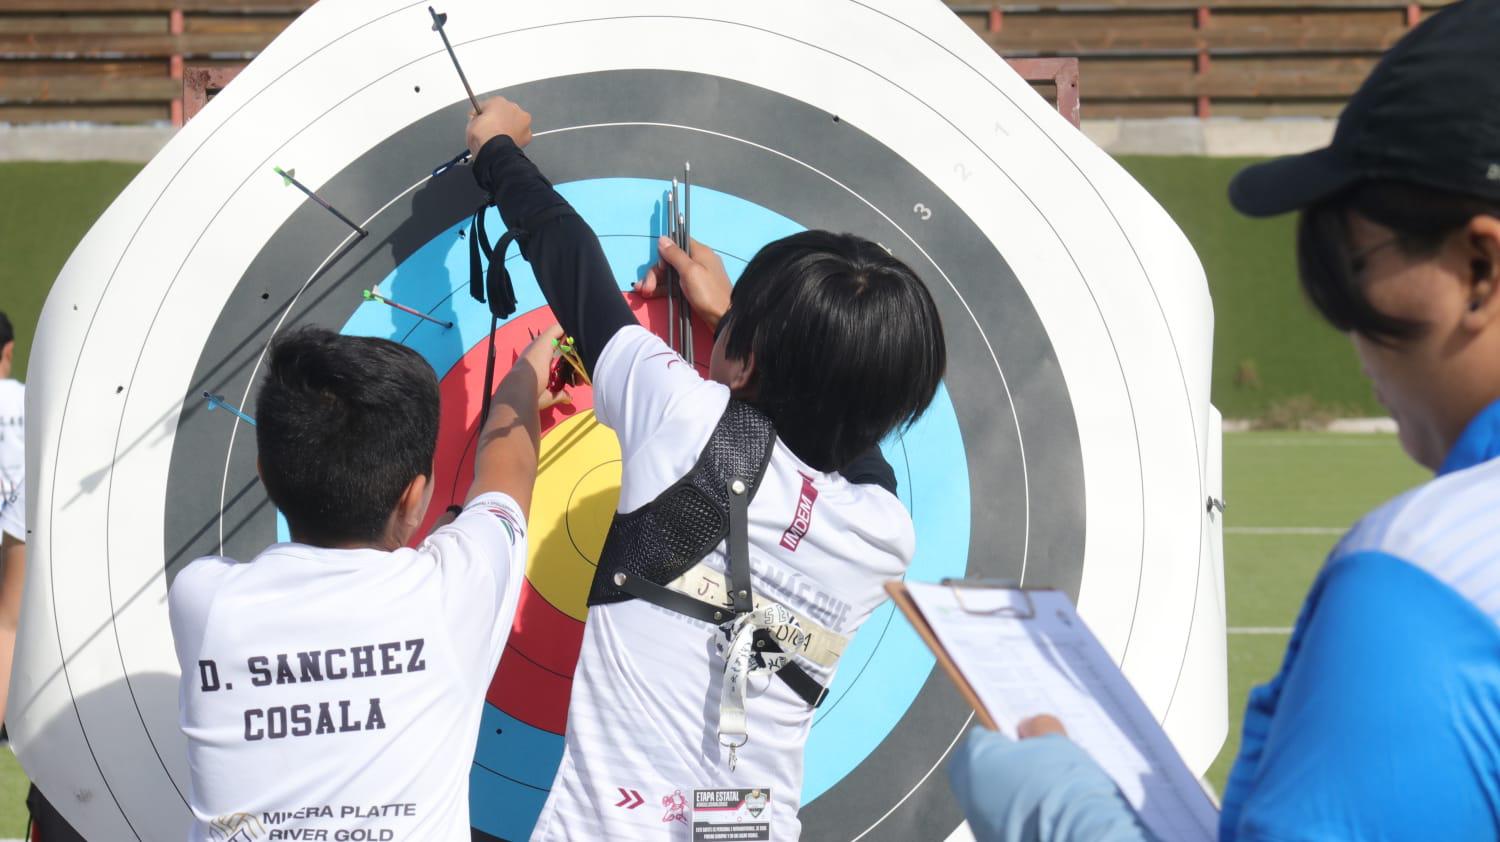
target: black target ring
752 143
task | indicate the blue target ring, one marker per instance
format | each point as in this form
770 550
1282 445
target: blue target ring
885 666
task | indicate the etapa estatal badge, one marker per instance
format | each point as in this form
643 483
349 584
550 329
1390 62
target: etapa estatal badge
732 815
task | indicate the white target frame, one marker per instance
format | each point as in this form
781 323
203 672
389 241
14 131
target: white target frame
1118 289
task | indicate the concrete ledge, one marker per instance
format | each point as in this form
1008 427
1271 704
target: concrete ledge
1215 137
1356 426
1218 137
1363 425
82 142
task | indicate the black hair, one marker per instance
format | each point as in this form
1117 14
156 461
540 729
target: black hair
846 342
7 331
343 425
1422 218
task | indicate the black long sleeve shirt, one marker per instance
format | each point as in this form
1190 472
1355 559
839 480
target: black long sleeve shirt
563 250
573 273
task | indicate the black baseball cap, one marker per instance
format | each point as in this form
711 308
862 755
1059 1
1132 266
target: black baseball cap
1429 114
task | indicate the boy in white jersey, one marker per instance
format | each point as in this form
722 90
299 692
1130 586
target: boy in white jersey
12 503
332 686
826 345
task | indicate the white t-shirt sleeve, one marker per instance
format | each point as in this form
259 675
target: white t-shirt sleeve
640 382
13 512
189 602
481 557
13 459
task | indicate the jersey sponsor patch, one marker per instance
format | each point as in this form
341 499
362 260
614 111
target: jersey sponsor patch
509 519
630 799
236 827
802 517
677 807
732 815
672 358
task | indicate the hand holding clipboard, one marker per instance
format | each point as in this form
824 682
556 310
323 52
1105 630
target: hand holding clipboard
1016 653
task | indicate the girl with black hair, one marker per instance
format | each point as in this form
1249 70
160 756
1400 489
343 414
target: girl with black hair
825 345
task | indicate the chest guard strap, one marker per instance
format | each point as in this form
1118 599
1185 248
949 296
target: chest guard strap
669 535
647 552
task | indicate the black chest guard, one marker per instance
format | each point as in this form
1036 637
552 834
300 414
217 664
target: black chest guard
669 535
648 548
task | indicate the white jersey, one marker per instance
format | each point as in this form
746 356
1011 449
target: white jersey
12 453
13 513
336 694
645 704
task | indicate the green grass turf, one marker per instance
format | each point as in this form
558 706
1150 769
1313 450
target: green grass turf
1260 315
12 797
1272 479
1253 659
1289 480
1266 575
46 210
1311 479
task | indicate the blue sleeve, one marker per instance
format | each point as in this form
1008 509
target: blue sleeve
1384 721
1044 789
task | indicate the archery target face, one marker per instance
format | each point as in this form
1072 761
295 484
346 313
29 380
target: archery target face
1051 428
828 175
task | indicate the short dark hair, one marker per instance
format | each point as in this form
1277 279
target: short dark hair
1422 218
846 340
343 425
7 330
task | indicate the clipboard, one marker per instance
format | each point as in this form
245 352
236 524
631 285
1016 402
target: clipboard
901 595
1024 652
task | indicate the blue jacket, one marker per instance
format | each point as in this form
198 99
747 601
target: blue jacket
1384 720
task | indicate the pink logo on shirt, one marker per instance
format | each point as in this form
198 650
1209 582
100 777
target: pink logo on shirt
673 358
676 805
508 519
802 519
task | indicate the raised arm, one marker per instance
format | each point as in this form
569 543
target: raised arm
507 456
12 583
562 249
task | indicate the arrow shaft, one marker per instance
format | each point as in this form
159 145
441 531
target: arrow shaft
572 360
437 24
449 164
671 230
291 179
405 309
216 400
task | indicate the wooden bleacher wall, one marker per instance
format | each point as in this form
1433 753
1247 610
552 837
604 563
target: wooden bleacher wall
1172 58
122 61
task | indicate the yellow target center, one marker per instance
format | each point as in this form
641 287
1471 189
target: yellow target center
577 491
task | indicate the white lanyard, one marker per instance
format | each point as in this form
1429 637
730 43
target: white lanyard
740 662
804 637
